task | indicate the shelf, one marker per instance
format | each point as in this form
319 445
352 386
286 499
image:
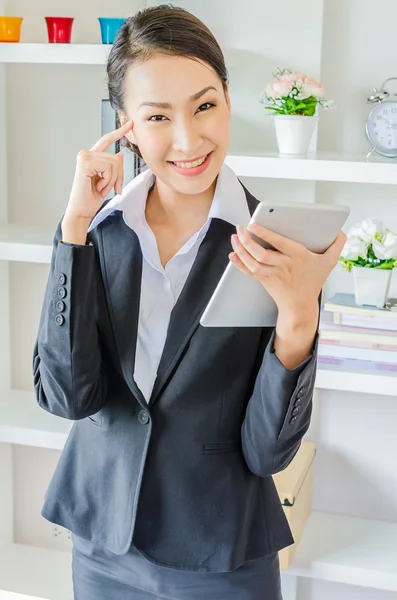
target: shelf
335 548
23 421
26 243
67 54
35 573
319 166
348 550
332 378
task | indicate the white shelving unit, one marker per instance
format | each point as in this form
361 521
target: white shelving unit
49 54
360 552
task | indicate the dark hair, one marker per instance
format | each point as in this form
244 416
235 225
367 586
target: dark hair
164 29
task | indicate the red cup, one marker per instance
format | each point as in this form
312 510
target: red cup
59 29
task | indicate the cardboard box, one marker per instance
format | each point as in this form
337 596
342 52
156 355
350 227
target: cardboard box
294 486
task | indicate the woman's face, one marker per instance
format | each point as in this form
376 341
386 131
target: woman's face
181 114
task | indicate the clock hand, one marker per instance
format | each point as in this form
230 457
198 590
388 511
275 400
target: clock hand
387 121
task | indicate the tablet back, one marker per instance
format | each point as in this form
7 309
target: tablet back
239 300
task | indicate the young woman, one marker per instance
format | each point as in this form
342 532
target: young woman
166 477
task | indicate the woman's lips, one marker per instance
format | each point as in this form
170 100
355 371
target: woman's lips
190 172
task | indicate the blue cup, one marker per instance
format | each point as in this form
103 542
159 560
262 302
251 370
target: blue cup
109 28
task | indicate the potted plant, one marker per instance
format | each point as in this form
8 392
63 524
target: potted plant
370 252
293 99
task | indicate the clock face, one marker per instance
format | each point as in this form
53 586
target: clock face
381 128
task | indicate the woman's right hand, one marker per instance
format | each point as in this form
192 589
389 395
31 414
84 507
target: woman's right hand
97 172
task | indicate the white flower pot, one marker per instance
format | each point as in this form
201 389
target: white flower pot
294 132
371 286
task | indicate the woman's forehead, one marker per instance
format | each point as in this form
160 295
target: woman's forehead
168 79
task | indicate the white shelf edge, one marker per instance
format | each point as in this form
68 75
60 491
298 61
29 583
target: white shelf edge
24 422
46 53
348 381
26 243
348 550
320 166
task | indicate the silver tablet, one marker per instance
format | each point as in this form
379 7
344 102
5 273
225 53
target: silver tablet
238 300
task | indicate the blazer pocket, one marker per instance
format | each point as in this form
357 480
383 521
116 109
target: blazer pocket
222 447
96 419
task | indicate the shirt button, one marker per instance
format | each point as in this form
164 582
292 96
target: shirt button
59 319
62 292
62 279
60 306
143 417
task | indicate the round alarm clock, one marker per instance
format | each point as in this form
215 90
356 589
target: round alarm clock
381 125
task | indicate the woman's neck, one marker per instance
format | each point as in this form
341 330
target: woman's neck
165 206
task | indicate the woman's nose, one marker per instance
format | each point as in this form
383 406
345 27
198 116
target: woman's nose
187 139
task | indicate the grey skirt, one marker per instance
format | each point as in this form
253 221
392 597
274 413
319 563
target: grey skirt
98 574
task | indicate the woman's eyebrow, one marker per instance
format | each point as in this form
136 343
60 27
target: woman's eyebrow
168 104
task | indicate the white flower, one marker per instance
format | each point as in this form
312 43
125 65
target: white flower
354 247
367 229
387 248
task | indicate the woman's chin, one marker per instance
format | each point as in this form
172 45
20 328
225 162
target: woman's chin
194 184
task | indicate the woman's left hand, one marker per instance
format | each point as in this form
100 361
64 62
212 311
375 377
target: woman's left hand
291 274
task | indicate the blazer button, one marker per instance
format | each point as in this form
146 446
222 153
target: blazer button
143 417
62 279
59 319
62 292
300 393
60 306
293 419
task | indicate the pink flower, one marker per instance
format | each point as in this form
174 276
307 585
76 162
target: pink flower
315 87
278 89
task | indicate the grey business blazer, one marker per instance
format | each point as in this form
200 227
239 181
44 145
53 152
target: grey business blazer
186 477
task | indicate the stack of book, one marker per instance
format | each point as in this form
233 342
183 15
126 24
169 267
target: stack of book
358 338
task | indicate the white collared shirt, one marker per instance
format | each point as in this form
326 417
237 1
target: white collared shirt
160 287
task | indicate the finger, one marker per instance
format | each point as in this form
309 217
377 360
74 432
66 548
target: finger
334 251
110 138
281 243
106 178
237 263
255 267
118 188
263 255
111 183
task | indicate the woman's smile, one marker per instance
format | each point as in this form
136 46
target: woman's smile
193 168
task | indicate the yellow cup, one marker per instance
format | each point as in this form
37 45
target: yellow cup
10 29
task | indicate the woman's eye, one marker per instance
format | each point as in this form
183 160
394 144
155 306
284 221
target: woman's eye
155 118
205 106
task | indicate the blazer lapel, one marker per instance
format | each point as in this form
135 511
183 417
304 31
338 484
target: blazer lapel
211 261
123 290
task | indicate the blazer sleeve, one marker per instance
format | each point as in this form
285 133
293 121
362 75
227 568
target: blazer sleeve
67 372
279 411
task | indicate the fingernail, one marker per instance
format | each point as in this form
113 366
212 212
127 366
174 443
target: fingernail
240 230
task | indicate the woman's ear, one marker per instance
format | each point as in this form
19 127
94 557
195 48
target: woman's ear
227 97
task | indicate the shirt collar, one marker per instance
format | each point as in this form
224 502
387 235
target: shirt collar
229 202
